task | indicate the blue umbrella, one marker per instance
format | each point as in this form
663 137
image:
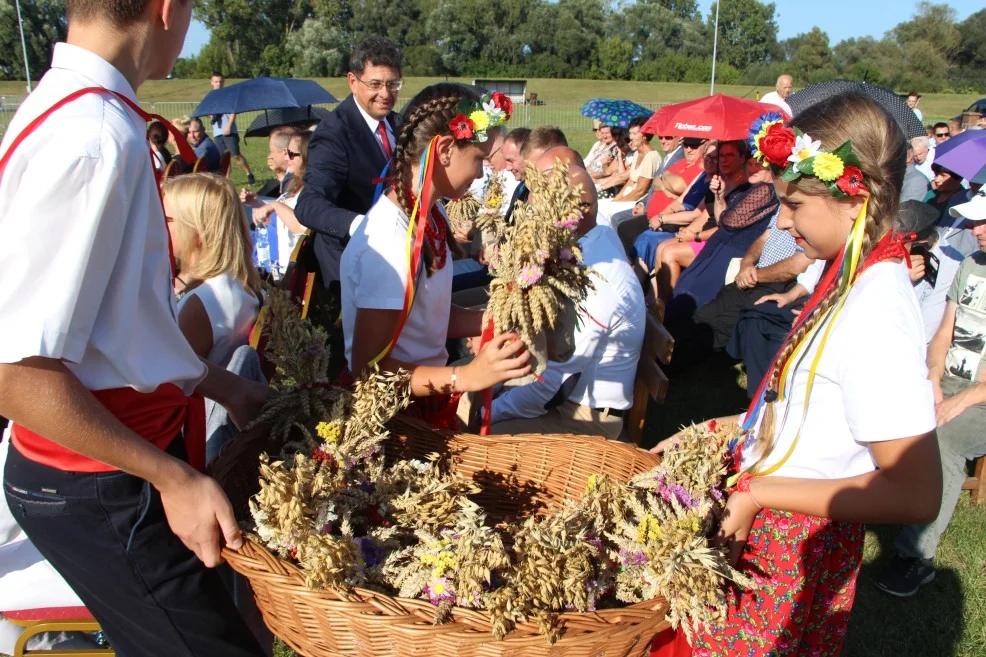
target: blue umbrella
614 112
263 93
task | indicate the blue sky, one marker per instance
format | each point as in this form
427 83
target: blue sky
840 19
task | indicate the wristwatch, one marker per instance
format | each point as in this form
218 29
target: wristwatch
698 236
660 220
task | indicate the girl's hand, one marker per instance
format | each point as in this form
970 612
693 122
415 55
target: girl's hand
502 359
261 216
737 521
686 235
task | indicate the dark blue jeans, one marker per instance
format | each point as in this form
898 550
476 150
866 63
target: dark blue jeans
107 535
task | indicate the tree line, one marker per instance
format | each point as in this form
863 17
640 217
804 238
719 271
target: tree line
654 40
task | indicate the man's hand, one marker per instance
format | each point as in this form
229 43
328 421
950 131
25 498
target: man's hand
917 268
737 521
747 276
250 198
949 409
199 514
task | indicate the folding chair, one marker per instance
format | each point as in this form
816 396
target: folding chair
650 381
54 619
224 162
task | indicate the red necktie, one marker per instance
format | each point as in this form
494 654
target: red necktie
384 140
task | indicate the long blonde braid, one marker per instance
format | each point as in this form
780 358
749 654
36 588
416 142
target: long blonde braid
881 148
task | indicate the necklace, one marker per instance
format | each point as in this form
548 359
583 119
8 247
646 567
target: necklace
436 235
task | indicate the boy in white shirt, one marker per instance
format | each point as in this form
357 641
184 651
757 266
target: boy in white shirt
94 373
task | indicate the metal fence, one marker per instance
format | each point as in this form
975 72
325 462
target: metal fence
566 116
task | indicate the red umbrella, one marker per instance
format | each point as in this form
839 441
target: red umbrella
715 117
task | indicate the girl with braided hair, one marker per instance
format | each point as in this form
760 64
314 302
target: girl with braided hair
397 307
842 429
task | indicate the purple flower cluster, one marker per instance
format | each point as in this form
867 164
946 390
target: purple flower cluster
675 491
629 559
371 553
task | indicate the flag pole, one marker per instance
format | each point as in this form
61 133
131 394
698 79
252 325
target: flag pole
27 68
715 48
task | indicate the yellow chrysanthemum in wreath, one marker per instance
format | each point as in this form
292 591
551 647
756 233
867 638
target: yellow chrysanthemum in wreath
481 119
828 167
329 431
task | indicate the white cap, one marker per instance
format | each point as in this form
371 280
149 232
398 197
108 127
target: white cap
974 210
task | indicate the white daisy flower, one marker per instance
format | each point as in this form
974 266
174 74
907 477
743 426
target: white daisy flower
804 148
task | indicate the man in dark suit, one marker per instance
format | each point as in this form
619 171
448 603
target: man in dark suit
348 150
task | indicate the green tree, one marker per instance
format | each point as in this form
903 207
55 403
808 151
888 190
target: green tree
747 32
44 24
614 59
317 50
241 30
811 61
970 58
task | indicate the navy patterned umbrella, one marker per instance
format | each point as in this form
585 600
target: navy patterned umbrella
887 99
614 112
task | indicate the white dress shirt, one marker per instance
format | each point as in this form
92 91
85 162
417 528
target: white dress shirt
608 339
83 242
374 125
774 98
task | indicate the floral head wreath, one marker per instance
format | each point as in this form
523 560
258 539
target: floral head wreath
790 149
475 120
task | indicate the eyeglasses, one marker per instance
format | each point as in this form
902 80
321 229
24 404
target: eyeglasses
292 154
942 134
666 138
692 146
378 85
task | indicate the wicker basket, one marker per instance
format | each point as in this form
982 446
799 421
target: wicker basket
520 475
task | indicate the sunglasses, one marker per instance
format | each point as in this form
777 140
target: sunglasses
292 154
692 146
942 134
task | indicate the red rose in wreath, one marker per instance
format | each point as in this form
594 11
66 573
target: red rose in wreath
851 181
462 127
777 144
502 101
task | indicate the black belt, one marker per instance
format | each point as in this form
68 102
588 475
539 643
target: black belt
616 412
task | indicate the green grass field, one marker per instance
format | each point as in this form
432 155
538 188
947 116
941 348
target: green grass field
562 100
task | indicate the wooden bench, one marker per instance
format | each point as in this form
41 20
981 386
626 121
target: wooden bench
976 484
650 382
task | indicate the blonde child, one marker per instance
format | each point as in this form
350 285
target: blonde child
842 431
217 285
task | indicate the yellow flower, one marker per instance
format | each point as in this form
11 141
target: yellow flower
828 167
329 431
591 484
648 529
481 119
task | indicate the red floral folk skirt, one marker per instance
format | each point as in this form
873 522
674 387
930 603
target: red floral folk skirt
805 568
